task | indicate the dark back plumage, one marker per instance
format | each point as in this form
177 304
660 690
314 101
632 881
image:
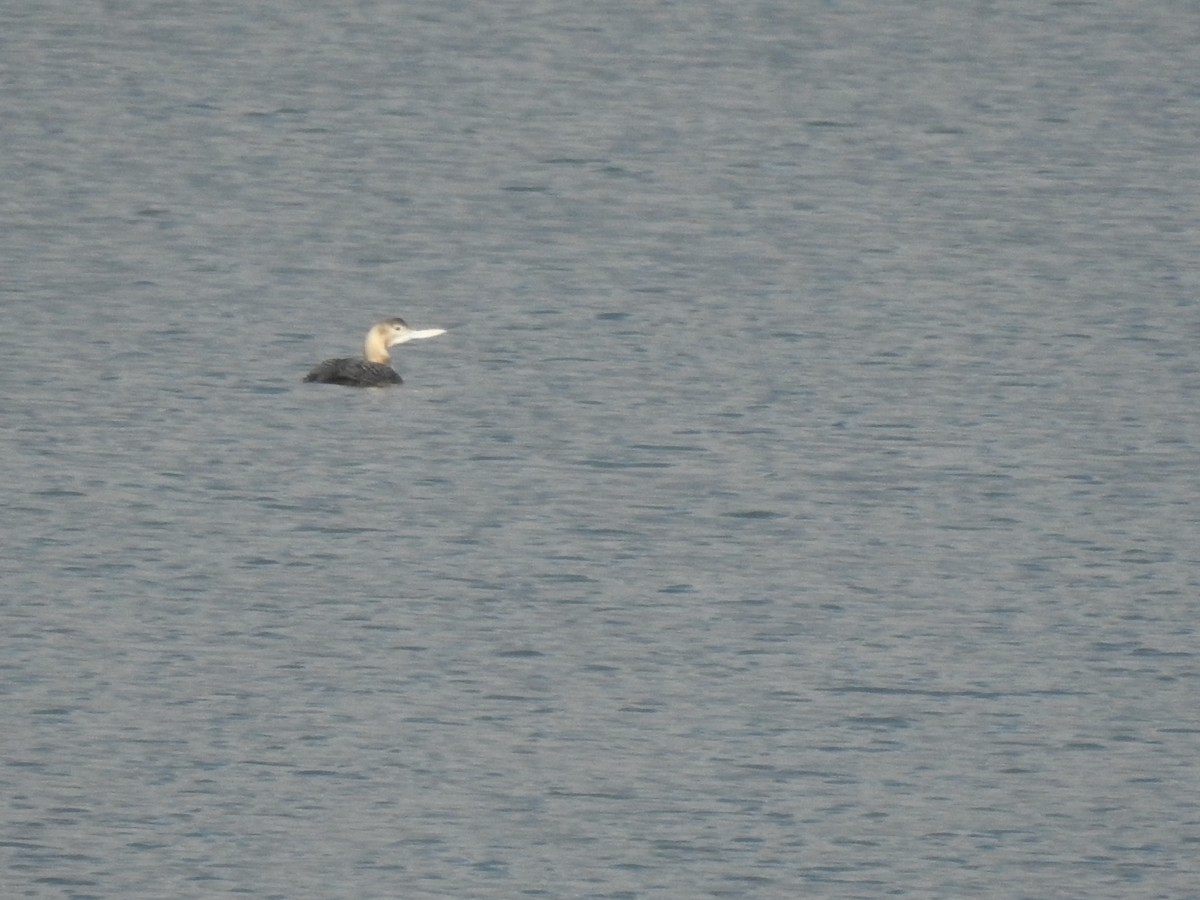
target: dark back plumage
353 372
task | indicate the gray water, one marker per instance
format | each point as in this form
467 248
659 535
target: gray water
803 501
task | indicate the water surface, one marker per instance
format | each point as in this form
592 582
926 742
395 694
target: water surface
802 502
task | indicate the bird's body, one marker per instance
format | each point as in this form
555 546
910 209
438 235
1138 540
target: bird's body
354 372
371 369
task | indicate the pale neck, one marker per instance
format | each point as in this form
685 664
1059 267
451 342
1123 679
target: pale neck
375 350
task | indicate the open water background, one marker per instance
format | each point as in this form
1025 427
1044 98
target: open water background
803 503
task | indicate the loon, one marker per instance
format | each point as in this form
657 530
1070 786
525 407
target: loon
372 370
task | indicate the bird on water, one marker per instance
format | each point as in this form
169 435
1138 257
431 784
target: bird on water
372 369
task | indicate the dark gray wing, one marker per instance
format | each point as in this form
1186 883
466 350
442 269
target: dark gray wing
353 373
